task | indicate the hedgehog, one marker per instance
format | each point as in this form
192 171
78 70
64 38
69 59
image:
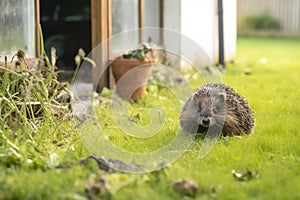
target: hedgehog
215 105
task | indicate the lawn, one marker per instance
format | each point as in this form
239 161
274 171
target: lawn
45 164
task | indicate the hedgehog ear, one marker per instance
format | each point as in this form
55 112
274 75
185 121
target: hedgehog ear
222 98
195 97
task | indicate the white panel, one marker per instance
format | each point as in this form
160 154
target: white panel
198 23
230 28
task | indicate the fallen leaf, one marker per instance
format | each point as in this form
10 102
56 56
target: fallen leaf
244 176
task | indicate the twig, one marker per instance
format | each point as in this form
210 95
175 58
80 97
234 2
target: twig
53 57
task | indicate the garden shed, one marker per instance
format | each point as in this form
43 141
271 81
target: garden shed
69 25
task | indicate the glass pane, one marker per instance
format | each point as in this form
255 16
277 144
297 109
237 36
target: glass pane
151 10
124 18
18 27
152 17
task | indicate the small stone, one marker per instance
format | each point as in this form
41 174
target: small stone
248 71
186 188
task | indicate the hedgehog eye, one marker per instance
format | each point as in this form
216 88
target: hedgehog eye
215 111
199 108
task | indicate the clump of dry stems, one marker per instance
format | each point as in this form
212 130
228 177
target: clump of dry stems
29 91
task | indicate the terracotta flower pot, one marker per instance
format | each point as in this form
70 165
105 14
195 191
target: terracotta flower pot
131 77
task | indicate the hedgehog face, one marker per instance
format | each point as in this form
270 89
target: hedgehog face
203 110
211 110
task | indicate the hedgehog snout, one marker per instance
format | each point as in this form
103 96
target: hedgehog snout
204 121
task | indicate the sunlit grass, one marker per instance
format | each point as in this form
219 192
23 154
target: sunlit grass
266 72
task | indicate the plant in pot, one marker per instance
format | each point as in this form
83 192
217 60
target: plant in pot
131 72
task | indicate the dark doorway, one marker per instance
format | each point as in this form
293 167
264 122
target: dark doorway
66 25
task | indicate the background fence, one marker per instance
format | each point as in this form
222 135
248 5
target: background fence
285 12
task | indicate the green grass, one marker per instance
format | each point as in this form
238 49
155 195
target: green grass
272 153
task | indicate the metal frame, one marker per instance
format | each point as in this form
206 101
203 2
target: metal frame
221 33
141 15
38 36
